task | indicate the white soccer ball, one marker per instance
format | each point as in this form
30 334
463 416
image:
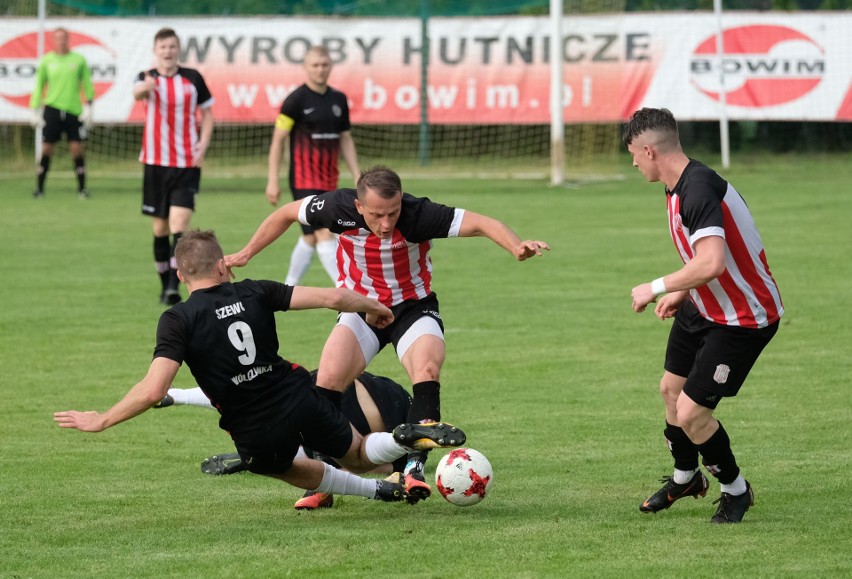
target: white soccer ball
463 476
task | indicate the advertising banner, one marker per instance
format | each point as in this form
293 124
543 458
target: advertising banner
784 66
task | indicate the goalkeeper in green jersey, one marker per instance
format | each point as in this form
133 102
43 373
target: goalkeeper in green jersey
60 109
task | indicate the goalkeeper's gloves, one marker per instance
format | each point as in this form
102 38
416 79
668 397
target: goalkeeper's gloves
37 118
86 116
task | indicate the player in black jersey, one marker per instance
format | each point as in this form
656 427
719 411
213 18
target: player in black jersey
315 117
226 334
371 403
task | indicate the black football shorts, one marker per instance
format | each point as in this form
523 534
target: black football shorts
57 122
164 187
714 358
314 423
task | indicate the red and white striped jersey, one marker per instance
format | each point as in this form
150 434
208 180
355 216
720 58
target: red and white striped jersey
171 125
703 204
390 270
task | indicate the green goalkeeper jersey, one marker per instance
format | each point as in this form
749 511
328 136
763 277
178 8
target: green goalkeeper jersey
65 75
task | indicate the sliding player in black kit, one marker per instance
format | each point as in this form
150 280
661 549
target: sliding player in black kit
226 334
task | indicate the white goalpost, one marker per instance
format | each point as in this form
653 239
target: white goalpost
557 124
42 20
723 104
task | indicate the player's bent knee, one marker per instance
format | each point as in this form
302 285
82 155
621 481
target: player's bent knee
671 387
695 420
355 459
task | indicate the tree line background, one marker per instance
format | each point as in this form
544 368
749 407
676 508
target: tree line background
393 7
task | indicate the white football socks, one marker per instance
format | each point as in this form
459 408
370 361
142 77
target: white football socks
191 397
737 487
340 482
300 261
682 477
327 252
381 448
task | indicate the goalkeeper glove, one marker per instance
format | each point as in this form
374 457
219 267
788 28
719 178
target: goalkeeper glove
86 116
37 118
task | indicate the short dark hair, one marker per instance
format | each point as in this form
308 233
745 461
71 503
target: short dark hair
164 33
381 179
197 252
319 50
648 119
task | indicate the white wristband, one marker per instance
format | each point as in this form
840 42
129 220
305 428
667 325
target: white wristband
658 287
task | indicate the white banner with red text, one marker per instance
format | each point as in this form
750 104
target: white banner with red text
495 70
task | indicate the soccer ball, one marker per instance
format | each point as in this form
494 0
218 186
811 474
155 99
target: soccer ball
463 477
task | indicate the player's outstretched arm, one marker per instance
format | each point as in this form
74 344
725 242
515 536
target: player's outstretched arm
140 398
271 229
476 225
341 300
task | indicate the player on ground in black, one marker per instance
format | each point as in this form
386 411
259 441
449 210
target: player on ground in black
316 118
371 403
226 334
66 75
725 304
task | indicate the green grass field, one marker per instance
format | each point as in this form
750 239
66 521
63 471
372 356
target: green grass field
548 370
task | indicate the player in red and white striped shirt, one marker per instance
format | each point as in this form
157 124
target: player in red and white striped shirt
725 305
172 150
383 252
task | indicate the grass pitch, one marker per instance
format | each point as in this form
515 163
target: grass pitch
548 370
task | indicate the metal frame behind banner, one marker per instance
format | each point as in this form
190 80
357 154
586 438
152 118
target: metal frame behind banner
423 137
42 22
724 135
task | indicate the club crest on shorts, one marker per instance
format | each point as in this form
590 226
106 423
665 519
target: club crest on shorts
721 373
